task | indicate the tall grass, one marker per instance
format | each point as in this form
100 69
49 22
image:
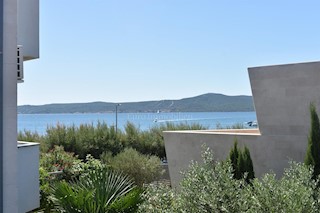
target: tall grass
97 139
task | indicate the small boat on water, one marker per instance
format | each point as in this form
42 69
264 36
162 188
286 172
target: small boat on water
252 123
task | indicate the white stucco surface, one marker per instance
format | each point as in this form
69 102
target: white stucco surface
28 176
28 28
27 34
9 104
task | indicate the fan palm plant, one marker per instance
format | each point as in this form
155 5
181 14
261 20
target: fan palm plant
97 191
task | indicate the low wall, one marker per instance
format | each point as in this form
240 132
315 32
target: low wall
28 176
268 153
282 95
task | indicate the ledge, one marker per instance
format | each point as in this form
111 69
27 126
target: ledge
221 131
26 144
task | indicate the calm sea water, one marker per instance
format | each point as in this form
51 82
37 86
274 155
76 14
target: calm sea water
39 122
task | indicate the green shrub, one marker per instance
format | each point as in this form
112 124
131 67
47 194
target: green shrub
57 159
71 168
99 191
54 160
313 150
206 187
142 168
248 165
241 162
234 159
29 136
89 164
56 135
158 198
85 139
97 139
152 141
296 191
46 180
210 187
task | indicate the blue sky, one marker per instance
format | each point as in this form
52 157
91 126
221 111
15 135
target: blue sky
135 50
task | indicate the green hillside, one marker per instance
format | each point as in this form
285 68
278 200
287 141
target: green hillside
210 102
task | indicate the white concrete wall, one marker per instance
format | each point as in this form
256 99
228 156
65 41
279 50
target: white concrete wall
28 176
269 153
282 95
9 104
29 37
28 28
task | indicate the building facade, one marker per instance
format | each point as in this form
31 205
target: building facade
19 178
282 95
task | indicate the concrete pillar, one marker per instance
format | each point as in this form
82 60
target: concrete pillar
8 107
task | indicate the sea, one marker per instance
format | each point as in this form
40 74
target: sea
39 122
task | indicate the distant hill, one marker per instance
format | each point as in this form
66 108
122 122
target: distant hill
210 102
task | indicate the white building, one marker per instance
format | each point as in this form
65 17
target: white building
282 95
19 191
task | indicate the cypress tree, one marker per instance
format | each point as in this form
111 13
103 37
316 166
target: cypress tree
248 164
241 165
233 156
313 150
241 162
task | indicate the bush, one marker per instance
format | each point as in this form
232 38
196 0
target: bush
210 187
46 180
151 142
206 187
241 162
29 136
294 192
158 198
313 150
248 165
142 168
97 139
99 191
85 139
57 159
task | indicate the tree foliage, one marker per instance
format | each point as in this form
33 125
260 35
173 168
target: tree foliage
210 187
241 162
313 150
142 168
96 139
248 164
